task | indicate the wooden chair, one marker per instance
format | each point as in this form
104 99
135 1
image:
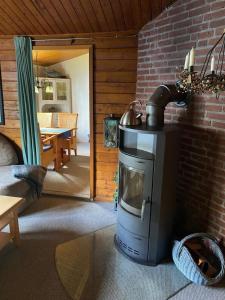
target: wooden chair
48 150
69 120
44 119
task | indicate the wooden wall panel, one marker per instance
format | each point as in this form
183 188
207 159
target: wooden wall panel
115 65
9 85
115 85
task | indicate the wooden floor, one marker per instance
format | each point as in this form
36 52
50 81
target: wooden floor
73 178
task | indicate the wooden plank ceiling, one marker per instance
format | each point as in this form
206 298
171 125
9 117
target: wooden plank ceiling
51 57
40 17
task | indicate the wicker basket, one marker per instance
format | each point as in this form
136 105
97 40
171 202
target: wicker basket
186 264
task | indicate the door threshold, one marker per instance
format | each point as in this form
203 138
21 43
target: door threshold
60 194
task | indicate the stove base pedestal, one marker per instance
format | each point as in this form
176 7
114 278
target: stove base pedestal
141 262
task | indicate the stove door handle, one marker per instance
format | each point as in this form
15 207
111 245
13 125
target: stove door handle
143 210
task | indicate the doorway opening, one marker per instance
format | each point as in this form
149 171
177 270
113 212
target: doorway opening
63 88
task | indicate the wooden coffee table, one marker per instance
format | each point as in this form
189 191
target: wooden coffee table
9 216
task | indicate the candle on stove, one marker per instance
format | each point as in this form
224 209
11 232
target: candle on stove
213 64
192 57
186 64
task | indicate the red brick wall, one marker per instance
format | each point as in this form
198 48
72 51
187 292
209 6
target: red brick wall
163 45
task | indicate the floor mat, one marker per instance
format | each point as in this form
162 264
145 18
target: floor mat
90 267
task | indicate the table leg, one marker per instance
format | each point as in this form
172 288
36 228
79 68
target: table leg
58 161
57 165
60 152
14 229
66 157
69 152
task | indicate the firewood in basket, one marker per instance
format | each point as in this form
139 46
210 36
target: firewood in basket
206 267
193 245
203 265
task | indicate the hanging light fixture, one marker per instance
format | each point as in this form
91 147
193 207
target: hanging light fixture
36 89
48 84
38 84
36 81
198 83
49 88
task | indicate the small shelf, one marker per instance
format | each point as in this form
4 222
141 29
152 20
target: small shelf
137 129
138 153
145 129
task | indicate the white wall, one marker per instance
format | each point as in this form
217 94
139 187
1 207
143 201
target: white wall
77 69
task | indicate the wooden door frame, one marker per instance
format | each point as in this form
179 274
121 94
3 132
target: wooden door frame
91 104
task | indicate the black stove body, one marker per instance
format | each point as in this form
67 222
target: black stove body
147 175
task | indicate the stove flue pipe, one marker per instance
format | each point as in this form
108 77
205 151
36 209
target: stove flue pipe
157 103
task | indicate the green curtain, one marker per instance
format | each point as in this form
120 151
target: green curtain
27 102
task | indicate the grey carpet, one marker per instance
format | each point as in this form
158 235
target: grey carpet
196 292
90 267
29 272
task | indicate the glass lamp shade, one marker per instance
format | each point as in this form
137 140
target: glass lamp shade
36 90
49 89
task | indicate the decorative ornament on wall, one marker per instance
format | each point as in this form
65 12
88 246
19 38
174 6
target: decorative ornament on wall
198 83
111 124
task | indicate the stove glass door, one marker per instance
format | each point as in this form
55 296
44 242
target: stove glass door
131 191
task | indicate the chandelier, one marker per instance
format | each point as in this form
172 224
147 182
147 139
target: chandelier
193 82
44 84
38 85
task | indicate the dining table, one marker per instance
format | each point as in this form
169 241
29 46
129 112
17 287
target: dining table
61 134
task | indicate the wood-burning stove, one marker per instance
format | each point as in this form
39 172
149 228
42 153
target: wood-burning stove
147 172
